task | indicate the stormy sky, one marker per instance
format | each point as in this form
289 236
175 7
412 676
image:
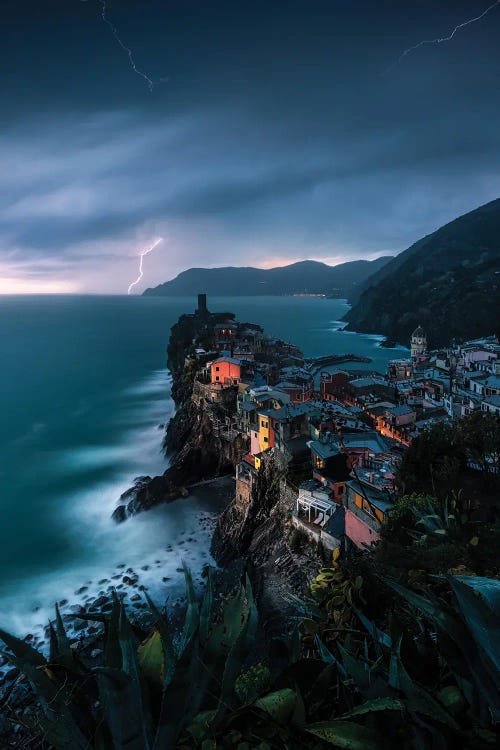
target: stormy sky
278 131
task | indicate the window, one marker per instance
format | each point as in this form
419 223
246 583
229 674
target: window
264 423
368 509
217 369
266 439
217 377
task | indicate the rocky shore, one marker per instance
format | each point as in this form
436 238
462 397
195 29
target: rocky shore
162 577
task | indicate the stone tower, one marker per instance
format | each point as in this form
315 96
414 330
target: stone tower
418 344
202 304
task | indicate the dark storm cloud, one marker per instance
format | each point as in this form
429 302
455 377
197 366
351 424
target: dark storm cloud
277 135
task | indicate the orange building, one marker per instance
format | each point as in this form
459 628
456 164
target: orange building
226 371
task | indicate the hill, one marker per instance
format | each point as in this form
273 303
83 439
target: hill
448 282
307 276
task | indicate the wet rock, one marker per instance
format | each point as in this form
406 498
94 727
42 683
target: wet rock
103 581
135 598
129 494
99 602
130 580
95 653
166 578
145 567
147 492
120 514
81 590
62 602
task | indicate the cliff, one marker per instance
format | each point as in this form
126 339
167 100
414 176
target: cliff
255 538
195 451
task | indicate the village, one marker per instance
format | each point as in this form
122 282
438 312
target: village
340 433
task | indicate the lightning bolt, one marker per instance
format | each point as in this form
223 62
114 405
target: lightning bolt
143 253
440 40
150 82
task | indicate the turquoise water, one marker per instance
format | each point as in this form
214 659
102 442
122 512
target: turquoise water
83 390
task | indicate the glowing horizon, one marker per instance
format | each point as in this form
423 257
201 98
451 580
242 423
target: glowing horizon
18 285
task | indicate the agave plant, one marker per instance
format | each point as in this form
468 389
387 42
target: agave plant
145 693
346 683
435 683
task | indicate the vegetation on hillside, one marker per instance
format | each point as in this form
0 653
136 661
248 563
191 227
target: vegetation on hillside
425 673
447 282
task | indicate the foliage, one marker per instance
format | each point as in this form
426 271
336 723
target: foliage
437 459
438 536
425 463
401 517
479 433
143 695
427 675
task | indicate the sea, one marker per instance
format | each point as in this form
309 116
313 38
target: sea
84 400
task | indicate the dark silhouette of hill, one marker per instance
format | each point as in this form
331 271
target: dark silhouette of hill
307 277
448 282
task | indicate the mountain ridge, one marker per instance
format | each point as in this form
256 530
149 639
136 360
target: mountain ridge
448 282
307 276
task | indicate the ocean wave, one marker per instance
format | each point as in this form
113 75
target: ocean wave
95 544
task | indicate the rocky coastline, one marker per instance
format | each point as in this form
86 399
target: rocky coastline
255 541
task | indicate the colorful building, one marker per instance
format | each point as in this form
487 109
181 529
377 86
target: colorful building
366 510
226 371
265 430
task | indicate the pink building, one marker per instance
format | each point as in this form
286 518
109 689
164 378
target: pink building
358 531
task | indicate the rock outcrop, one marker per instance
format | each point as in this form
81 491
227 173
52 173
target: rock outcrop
258 536
195 451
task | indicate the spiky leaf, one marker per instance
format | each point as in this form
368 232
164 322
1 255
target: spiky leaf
346 734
